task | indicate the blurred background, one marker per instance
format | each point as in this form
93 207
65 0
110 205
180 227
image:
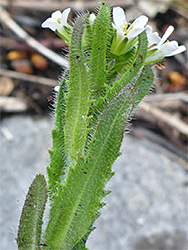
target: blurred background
148 206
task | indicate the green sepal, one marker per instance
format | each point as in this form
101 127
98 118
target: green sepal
66 34
121 45
148 60
118 45
29 231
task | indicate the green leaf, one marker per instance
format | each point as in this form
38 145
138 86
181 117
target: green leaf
143 84
82 242
81 245
29 231
75 208
78 99
58 167
87 38
97 64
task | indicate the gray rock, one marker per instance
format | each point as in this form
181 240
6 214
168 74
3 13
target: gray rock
146 210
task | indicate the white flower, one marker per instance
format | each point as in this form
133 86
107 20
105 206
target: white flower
92 18
159 48
58 23
56 88
57 20
153 38
125 29
126 32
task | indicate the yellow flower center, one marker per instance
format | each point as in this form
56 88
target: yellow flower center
59 20
127 27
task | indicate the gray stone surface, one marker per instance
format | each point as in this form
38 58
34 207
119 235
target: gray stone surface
147 209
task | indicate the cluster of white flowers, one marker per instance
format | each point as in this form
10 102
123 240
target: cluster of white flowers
159 48
126 34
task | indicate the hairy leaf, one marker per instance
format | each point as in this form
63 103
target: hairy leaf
143 84
78 99
58 167
29 231
81 244
75 208
97 64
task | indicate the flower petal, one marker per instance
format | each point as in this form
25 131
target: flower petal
55 15
166 35
119 31
180 49
119 17
134 32
50 23
172 48
56 88
64 16
169 47
148 30
153 39
140 22
92 18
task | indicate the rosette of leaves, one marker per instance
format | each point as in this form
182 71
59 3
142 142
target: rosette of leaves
94 103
